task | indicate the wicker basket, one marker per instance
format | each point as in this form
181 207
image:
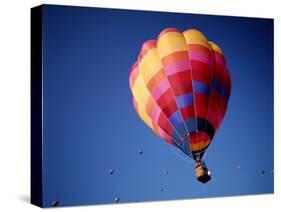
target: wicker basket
202 173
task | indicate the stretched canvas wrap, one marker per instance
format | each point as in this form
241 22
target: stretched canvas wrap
133 106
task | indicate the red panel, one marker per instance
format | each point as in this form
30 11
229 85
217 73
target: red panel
221 108
213 105
211 116
224 102
215 96
219 56
170 108
216 102
159 132
220 67
202 77
201 99
180 78
161 120
200 111
188 112
219 74
164 124
168 128
165 98
200 66
220 118
181 89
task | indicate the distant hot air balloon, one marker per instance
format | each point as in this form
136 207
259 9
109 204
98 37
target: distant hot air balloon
181 86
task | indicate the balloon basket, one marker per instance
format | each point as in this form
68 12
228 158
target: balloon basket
202 174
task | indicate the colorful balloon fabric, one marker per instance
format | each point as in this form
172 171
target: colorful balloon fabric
181 86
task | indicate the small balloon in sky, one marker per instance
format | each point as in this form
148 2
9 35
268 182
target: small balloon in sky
55 203
111 171
263 172
161 189
117 199
166 172
140 151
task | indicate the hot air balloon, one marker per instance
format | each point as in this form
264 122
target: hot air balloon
181 86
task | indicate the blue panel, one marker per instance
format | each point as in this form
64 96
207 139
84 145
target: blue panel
177 122
175 118
175 135
181 129
185 100
227 93
186 149
191 125
218 87
202 88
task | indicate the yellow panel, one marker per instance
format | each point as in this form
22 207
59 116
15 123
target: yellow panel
194 36
141 96
149 65
215 47
171 42
140 91
145 118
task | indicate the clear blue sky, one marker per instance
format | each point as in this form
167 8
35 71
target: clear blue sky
90 125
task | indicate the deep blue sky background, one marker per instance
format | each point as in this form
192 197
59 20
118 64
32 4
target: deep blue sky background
90 125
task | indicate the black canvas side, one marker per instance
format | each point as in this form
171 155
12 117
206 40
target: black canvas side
36 106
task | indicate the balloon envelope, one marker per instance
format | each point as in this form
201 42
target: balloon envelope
181 86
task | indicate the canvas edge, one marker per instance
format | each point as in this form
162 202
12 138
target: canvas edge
36 190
